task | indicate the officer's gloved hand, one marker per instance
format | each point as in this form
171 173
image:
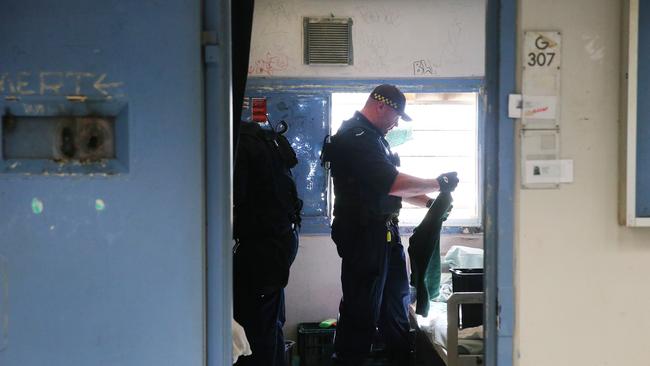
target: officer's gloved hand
448 181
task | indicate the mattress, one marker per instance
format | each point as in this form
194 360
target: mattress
434 325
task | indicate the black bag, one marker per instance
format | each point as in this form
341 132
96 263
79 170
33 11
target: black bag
266 206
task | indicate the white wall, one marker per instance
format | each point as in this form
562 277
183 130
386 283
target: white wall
314 288
388 37
581 280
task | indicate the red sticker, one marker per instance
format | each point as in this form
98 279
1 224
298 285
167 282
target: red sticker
259 110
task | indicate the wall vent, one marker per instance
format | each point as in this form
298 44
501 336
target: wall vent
328 41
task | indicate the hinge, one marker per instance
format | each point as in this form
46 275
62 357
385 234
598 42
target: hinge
210 46
209 38
210 54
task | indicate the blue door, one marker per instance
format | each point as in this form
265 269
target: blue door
101 183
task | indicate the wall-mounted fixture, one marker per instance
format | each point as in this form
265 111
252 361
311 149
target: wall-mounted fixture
327 41
55 137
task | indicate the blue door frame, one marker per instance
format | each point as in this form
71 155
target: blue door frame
499 183
500 57
218 181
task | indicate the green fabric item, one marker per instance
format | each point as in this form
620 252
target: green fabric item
424 253
432 275
434 269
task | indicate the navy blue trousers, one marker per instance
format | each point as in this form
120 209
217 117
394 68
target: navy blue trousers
262 317
375 292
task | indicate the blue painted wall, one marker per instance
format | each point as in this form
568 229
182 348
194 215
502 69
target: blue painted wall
105 268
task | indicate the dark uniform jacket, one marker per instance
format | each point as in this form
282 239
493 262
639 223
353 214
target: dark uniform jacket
266 208
363 170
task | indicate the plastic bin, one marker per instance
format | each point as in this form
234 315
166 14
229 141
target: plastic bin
468 280
315 344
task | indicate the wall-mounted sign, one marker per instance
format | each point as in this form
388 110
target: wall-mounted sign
541 80
539 110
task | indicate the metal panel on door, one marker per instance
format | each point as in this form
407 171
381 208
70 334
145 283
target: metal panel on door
101 257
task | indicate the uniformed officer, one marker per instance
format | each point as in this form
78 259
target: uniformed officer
369 191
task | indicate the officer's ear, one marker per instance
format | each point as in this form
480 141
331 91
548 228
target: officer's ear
381 107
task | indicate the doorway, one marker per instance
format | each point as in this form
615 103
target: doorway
498 157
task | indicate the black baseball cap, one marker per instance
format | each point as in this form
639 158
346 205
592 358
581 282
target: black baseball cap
391 96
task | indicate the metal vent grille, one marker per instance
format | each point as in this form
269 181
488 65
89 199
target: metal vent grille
328 41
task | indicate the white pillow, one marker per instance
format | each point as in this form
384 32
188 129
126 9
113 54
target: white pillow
464 257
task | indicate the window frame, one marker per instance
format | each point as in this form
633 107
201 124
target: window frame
470 224
321 225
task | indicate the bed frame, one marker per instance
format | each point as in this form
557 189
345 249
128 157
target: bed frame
428 354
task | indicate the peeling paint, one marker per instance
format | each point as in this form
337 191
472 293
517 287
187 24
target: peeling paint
46 83
37 206
47 173
4 303
76 98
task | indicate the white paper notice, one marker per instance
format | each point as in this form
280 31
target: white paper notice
514 106
539 107
549 171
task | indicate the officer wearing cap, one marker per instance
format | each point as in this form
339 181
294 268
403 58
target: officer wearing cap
369 191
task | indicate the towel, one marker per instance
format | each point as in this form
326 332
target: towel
424 253
240 346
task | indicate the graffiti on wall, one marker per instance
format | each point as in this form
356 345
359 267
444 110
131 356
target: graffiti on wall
269 64
56 83
423 67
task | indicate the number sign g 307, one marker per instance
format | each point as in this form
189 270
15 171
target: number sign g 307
542 50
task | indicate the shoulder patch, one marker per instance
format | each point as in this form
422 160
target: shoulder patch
356 134
357 131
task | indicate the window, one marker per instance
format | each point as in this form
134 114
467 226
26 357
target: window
442 137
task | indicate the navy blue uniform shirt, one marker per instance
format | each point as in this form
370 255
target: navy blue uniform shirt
364 170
